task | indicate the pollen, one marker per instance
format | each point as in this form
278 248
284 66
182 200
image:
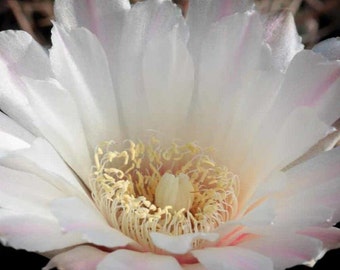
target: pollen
177 188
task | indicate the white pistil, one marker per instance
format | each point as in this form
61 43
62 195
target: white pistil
174 191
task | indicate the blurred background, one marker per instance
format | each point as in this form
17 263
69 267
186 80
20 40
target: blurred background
316 20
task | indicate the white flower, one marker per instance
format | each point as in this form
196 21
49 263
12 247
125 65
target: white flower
145 140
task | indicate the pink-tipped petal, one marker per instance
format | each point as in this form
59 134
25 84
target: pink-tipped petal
127 260
232 258
330 237
282 36
78 258
285 248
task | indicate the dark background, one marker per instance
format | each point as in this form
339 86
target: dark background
316 20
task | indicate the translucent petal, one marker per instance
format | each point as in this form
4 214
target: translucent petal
125 259
75 215
232 258
79 258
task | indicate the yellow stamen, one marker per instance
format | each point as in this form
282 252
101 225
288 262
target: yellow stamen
173 189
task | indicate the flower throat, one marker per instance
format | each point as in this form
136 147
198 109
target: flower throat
172 189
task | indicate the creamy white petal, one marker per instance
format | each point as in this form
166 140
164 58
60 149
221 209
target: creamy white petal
283 38
203 13
312 194
7 125
285 248
232 258
75 215
310 81
42 160
13 100
91 14
180 244
22 191
80 66
18 49
79 258
168 82
277 148
146 21
34 232
24 199
58 119
126 260
226 78
9 143
329 48
330 237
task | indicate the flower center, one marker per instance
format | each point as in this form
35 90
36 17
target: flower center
172 189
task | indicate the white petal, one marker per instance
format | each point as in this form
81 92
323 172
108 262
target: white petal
75 13
25 192
78 216
18 49
274 149
225 82
126 260
80 65
34 232
42 160
329 48
168 80
180 244
329 236
203 13
146 21
9 126
79 258
9 143
284 248
312 187
310 81
57 118
282 36
232 258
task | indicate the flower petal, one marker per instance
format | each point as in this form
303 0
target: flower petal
18 48
312 187
79 258
80 65
203 13
329 236
168 81
75 215
12 129
274 149
282 36
318 91
25 199
26 230
125 260
232 258
57 118
329 48
42 160
180 244
284 248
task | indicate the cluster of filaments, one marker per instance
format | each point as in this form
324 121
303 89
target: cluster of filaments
126 176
